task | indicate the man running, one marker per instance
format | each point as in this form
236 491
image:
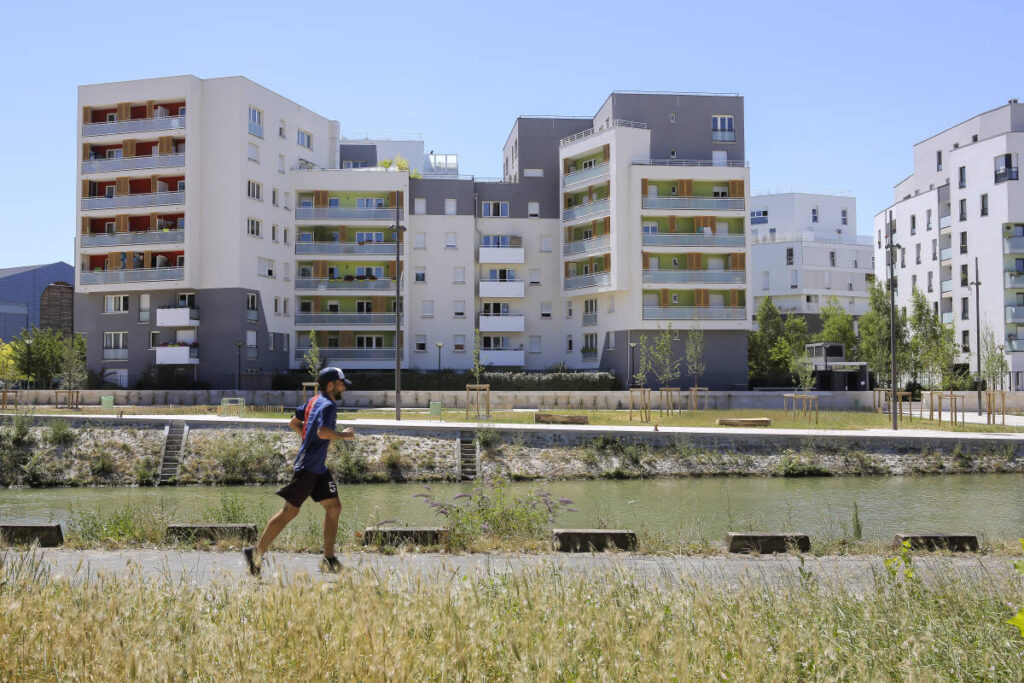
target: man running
315 423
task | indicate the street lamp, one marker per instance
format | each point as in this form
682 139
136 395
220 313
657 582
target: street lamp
977 332
28 362
439 345
632 361
399 229
1002 358
891 249
238 372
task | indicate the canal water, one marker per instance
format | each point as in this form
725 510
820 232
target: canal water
991 505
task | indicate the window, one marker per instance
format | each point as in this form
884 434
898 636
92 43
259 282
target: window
287 201
965 310
115 340
280 128
534 276
270 341
1005 167
984 205
115 304
494 209
280 163
756 217
928 219
284 309
305 139
963 243
931 281
421 274
568 308
255 122
265 267
545 309
251 305
427 309
671 117
459 275
917 254
419 240
832 258
459 343
254 153
843 216
533 209
963 275
903 257
450 240
254 227
285 240
277 305
421 342
913 281
273 232
913 224
459 309
938 160
419 205
814 215
273 196
254 190
723 128
963 209
672 155
154 339
935 250
534 344
545 243
965 341
568 342
962 175
449 207
789 256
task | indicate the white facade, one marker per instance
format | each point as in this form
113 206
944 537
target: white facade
963 203
805 251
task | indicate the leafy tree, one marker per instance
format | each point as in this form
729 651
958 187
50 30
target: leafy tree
695 363
312 356
993 363
925 333
44 360
664 362
10 373
837 326
803 372
642 363
478 369
73 372
874 335
760 341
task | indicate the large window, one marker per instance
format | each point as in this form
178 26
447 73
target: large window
723 128
305 139
254 190
265 267
115 304
115 340
254 227
494 209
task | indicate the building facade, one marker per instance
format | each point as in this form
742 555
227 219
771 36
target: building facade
805 252
36 296
601 231
963 205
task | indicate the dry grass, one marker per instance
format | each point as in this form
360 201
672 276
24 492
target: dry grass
542 626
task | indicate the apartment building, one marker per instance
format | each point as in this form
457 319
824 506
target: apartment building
805 251
601 230
963 202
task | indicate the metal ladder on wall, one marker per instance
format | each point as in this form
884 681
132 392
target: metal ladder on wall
174 440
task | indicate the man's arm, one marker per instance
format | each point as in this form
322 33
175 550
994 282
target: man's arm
327 433
295 425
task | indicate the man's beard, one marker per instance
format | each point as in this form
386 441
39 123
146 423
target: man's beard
337 394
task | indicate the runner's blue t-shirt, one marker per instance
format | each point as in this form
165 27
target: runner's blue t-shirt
316 413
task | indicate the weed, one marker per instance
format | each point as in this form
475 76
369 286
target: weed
145 470
858 527
60 433
487 437
793 465
347 465
392 458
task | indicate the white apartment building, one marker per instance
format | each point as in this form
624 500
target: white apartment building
964 202
603 229
805 251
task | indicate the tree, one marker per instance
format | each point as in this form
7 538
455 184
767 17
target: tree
642 363
760 341
664 362
993 363
695 364
10 374
874 335
73 373
803 371
312 357
44 360
837 326
399 163
478 369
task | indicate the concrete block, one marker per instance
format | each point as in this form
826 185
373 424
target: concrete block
552 419
767 543
413 535
211 532
592 540
960 543
46 535
744 422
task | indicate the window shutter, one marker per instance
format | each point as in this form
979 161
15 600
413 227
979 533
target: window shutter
607 225
147 259
741 261
85 225
149 109
164 145
606 152
154 183
735 188
86 114
121 186
565 167
703 297
319 269
607 261
643 187
671 223
128 148
347 339
154 221
121 223
734 297
646 260
86 187
86 150
567 270
129 261
319 198
377 304
124 111
685 188
664 297
316 304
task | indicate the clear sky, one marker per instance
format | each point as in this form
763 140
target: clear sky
835 93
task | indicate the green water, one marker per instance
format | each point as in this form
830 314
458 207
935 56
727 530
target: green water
990 505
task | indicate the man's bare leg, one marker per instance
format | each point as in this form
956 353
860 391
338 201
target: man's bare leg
332 511
275 526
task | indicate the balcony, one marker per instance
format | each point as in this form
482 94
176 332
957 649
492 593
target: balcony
583 281
344 285
723 136
1014 279
256 129
133 163
135 126
759 220
1013 245
344 248
502 357
252 315
694 203
617 123
510 254
119 277
177 317
695 313
589 319
335 353
946 286
1015 314
584 210
717 163
308 213
586 174
945 221
115 354
346 319
252 352
601 243
124 239
1014 345
947 318
946 254
133 201
1004 174
711 277
692 239
588 354
501 289
177 355
508 322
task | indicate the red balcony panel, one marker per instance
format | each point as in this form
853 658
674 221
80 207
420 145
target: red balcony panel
100 115
139 111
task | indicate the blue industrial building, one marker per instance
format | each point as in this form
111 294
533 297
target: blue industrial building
36 296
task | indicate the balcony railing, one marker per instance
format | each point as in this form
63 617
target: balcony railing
1014 244
502 322
133 163
256 129
497 289
361 319
352 354
136 126
695 203
719 163
723 136
1014 279
252 314
692 239
946 286
585 174
116 277
177 355
1005 174
583 246
947 318
588 354
1014 344
1015 314
695 312
367 248
759 220
617 123
945 222
588 209
177 316
384 213
589 319
251 352
716 277
121 239
591 280
946 254
131 201
115 354
325 283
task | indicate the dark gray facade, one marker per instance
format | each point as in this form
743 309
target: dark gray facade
223 322
520 194
356 153
534 143
725 358
436 190
21 295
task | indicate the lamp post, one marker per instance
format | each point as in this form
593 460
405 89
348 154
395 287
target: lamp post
632 361
28 362
399 229
977 329
238 370
1002 358
891 249
439 345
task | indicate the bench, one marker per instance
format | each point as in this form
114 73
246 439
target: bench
412 535
764 543
46 535
592 540
744 422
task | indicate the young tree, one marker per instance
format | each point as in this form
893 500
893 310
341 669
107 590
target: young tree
73 372
39 354
312 357
695 364
760 342
837 326
664 362
803 372
925 337
10 374
478 369
993 363
874 335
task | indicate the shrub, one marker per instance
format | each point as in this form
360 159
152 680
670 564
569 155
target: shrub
392 457
252 458
347 465
60 433
145 469
487 437
103 465
799 466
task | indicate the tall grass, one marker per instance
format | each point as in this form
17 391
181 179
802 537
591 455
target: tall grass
536 626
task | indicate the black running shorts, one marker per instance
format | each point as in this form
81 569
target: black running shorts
309 485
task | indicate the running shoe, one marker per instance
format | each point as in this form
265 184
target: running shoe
250 559
330 565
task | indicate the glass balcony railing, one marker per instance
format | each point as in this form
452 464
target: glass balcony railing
723 136
1015 345
711 277
946 254
1013 244
591 280
947 318
1015 314
585 174
946 286
256 129
121 239
695 312
584 246
589 209
133 163
132 201
342 284
1004 174
115 277
695 203
355 319
383 213
349 354
692 239
589 319
1014 279
135 126
945 222
115 354
370 248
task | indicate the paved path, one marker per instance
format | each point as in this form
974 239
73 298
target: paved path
853 572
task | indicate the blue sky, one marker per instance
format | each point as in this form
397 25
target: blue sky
835 93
